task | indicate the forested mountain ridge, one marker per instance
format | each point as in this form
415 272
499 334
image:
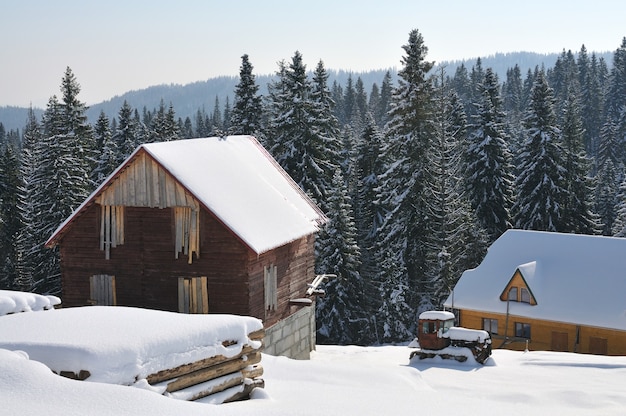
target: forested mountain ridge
188 98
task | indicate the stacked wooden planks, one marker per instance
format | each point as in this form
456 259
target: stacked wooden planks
233 378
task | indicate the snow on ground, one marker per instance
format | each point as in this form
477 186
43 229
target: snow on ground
338 380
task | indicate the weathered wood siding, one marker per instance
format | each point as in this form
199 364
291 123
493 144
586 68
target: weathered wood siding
295 262
145 267
146 270
548 335
144 183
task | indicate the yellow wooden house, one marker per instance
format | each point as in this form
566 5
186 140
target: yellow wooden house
548 291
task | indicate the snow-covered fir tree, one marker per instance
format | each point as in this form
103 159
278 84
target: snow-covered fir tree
164 127
341 313
125 136
402 237
10 216
450 218
62 180
619 225
301 129
246 115
488 170
368 166
541 186
106 161
27 243
577 212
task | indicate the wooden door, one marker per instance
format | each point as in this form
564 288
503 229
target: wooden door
598 346
559 341
102 290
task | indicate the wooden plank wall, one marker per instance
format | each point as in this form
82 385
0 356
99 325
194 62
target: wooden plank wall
295 268
145 266
146 184
542 333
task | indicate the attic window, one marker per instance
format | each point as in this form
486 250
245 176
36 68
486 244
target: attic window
513 294
525 295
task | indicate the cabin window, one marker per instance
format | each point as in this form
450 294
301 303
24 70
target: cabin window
429 327
522 330
187 232
193 295
513 294
525 295
271 287
102 290
111 228
490 325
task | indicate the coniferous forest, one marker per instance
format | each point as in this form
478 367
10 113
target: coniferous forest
418 176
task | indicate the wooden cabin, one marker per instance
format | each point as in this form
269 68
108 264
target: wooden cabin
211 225
548 291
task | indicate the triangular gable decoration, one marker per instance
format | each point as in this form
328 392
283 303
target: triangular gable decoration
517 289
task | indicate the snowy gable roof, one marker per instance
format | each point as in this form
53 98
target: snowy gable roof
574 278
237 180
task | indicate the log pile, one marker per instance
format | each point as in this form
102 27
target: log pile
233 378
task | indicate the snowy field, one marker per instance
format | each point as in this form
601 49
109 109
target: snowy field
336 381
351 381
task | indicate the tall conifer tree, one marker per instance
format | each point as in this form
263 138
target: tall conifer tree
246 115
402 237
488 169
541 186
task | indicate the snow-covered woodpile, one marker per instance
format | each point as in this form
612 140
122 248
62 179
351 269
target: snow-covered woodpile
233 377
211 357
16 302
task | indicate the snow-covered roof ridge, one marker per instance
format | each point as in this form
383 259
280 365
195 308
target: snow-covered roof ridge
237 180
579 278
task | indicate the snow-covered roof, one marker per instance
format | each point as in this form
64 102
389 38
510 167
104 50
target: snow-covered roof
436 315
237 180
14 302
121 345
574 278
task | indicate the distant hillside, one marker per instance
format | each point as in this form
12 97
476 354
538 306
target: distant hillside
187 99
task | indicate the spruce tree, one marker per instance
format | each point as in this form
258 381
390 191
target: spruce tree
606 198
10 216
619 225
27 246
454 236
62 181
386 91
616 98
247 111
341 317
401 244
125 137
488 169
303 128
541 186
577 213
106 160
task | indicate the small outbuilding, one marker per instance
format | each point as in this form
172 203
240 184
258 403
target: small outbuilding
210 225
548 291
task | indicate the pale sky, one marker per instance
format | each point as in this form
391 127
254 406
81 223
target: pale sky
114 46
